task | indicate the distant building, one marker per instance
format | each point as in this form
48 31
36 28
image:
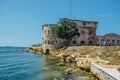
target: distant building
111 39
87 31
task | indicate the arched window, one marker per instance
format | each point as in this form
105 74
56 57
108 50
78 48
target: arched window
56 42
45 41
52 42
45 31
48 41
48 31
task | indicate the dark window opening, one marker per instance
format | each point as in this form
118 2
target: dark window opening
90 33
83 32
78 34
108 40
102 40
45 31
52 42
97 39
118 41
56 42
74 42
83 23
76 30
45 41
65 43
49 42
52 32
90 42
48 31
113 40
82 42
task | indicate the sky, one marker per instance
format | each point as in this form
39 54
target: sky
21 20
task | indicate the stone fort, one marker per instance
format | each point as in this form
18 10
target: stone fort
87 37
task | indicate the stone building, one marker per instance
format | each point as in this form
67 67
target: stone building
87 31
110 39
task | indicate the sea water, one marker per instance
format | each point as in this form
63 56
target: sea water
15 64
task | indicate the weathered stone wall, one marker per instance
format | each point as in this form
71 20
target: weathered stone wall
87 30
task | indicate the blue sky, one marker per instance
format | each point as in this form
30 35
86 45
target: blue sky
21 20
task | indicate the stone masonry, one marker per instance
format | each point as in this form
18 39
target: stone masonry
87 31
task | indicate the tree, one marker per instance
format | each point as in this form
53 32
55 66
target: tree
65 29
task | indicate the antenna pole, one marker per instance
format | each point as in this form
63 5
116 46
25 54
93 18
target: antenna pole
71 8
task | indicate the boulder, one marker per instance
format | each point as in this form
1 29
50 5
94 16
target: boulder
69 71
118 68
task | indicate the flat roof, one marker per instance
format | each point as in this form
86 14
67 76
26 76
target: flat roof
84 20
72 20
49 25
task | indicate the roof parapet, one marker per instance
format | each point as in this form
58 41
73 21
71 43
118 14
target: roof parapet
85 21
49 25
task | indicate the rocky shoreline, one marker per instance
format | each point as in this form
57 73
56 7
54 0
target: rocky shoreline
67 70
34 49
79 58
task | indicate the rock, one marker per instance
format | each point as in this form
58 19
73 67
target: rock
68 71
72 65
68 59
118 68
83 62
99 60
61 64
34 49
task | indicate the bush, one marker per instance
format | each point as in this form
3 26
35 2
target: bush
30 48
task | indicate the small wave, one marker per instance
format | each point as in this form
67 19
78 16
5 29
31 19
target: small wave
15 65
10 51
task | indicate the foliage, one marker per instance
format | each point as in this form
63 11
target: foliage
65 29
30 48
36 50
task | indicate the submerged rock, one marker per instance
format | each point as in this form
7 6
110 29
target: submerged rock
61 64
68 71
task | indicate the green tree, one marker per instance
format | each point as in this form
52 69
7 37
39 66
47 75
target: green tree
66 29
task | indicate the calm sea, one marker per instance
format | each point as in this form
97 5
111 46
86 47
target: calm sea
18 65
